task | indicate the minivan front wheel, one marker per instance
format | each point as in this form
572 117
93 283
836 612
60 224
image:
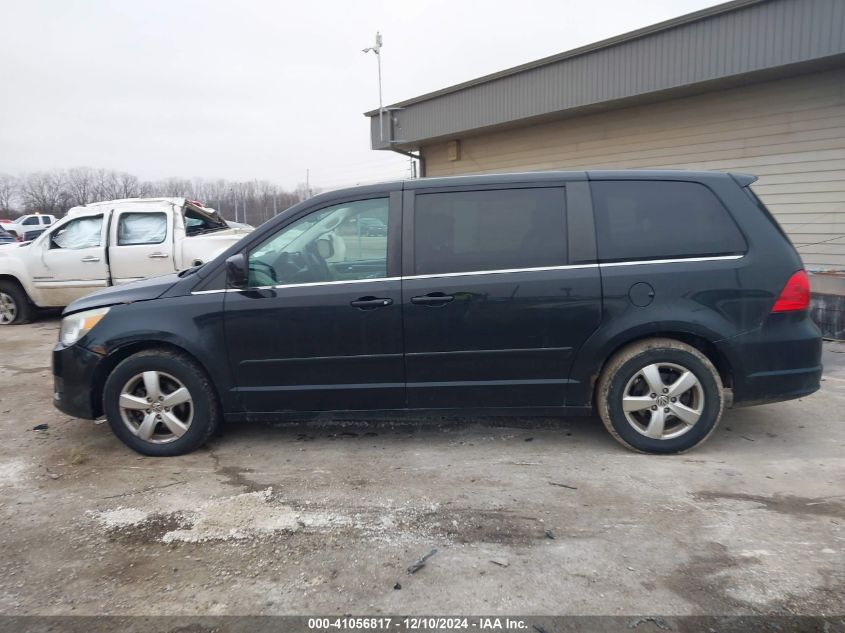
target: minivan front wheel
660 396
160 403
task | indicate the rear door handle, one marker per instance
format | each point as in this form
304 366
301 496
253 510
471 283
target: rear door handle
90 258
432 299
370 303
158 255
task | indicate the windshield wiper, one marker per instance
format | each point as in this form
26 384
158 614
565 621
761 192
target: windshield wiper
209 229
189 271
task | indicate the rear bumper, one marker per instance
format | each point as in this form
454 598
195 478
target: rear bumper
777 386
74 371
779 361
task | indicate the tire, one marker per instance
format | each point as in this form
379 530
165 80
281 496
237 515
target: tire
688 420
15 307
136 398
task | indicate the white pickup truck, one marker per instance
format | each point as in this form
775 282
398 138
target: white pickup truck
34 222
104 244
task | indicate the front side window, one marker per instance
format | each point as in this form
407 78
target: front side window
141 228
30 221
344 242
77 234
638 220
489 230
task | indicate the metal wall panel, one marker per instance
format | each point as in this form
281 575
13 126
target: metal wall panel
789 132
746 39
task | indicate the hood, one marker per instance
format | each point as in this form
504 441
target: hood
142 290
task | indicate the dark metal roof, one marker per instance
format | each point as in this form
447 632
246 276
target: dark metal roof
742 40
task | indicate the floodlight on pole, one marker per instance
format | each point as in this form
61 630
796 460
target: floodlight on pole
377 50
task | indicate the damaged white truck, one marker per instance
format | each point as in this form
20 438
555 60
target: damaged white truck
104 244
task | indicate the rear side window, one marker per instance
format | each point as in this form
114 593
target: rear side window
466 231
661 220
141 228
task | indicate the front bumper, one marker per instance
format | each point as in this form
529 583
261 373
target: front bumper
74 374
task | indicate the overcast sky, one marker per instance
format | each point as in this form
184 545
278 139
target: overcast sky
247 89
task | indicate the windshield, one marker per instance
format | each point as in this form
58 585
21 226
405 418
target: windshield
198 221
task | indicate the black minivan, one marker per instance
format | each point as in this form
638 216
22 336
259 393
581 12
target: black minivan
656 298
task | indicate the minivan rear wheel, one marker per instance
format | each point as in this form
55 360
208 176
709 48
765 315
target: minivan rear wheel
660 396
161 403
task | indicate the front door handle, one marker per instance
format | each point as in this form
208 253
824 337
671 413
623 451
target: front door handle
370 303
158 255
432 299
90 258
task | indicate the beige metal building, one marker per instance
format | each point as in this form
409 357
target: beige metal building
755 86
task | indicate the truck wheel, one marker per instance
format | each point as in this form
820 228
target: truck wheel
660 396
15 307
161 403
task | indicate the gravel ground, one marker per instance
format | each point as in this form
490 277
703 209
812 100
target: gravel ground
527 516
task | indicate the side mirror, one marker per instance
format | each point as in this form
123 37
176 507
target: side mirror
237 273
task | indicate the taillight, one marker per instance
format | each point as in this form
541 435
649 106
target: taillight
795 294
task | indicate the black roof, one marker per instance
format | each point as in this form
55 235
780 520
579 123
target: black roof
529 177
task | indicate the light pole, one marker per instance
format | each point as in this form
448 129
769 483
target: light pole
377 50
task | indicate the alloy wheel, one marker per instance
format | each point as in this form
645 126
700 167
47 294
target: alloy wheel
156 407
8 309
663 401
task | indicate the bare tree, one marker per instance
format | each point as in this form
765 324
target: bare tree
250 201
80 185
46 192
105 185
9 188
218 194
175 187
128 185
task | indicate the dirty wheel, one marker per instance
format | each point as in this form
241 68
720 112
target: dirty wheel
15 308
160 403
660 396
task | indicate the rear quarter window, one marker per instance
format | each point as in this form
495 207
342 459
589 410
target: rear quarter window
768 214
637 220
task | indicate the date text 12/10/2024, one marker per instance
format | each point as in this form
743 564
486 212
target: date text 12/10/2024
417 623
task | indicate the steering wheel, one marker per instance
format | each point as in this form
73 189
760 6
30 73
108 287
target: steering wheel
263 268
292 267
319 268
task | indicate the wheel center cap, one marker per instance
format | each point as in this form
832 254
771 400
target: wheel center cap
662 401
157 407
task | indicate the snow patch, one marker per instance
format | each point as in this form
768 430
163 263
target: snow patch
12 472
242 516
120 517
249 515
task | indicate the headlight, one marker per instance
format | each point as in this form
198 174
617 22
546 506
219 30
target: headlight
75 326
